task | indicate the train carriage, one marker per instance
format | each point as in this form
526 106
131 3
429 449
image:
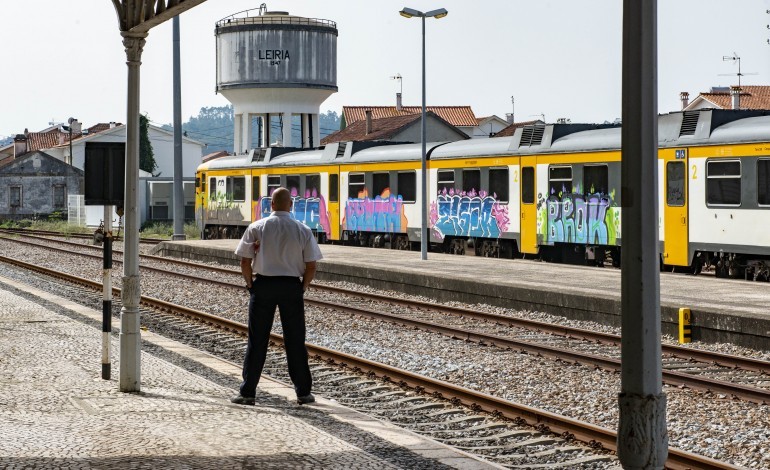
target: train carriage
550 191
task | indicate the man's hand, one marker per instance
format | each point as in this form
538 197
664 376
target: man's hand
256 246
246 271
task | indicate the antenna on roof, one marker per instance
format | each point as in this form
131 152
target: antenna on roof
735 58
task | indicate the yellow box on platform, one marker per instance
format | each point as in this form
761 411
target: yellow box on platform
685 331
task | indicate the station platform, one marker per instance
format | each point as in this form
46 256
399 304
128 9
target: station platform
723 310
58 413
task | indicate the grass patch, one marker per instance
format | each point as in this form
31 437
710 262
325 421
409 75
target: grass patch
166 230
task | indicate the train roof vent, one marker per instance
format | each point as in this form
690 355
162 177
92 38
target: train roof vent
341 150
689 123
259 155
531 135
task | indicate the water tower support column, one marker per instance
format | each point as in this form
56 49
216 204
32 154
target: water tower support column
237 134
315 137
248 125
305 131
286 129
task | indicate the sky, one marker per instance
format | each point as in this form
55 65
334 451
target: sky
546 59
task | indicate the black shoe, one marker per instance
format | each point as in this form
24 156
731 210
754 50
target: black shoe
305 399
240 400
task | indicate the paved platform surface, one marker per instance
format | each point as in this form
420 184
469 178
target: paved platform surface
56 412
727 310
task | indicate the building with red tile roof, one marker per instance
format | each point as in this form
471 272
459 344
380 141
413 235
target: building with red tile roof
399 128
511 129
749 97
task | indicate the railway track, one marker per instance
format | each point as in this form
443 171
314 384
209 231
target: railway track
744 378
507 433
84 236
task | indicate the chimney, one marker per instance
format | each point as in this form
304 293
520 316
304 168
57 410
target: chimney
19 145
735 94
509 118
368 121
112 124
685 98
398 102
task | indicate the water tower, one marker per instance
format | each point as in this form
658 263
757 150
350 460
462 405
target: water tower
275 67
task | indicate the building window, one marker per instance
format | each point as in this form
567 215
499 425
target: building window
723 183
675 184
596 179
763 182
15 196
273 183
334 188
446 180
528 185
498 184
471 180
255 190
59 196
559 180
356 186
407 186
380 184
313 186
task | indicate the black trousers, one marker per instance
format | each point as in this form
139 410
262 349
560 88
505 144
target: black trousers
267 292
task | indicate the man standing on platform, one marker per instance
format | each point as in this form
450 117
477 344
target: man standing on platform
282 252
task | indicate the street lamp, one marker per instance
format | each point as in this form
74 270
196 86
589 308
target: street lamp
424 233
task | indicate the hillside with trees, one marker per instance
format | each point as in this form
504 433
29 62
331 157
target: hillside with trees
214 127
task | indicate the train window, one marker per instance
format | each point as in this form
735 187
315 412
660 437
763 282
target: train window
356 186
596 179
407 186
528 185
498 184
203 183
559 180
471 180
723 182
334 188
312 185
675 184
380 184
763 182
236 188
255 192
197 182
212 188
446 180
273 183
292 184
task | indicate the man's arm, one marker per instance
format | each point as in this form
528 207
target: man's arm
307 278
246 271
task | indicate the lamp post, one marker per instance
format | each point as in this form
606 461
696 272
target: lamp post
424 232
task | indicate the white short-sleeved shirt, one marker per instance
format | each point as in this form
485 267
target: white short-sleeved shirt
285 246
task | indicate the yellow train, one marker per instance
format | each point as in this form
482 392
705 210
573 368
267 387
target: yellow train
549 191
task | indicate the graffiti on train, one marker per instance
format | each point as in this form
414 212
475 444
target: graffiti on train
384 213
310 210
579 218
469 214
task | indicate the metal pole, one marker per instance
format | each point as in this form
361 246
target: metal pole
178 185
424 237
130 337
107 294
642 438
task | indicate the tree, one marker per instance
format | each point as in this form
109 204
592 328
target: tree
146 155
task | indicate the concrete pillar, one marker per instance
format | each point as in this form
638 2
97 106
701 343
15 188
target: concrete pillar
247 129
316 127
130 337
237 134
305 131
286 129
642 437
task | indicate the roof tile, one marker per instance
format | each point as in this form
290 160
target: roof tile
454 115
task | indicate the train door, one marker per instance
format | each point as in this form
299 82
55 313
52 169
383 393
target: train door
675 220
333 204
212 206
528 205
